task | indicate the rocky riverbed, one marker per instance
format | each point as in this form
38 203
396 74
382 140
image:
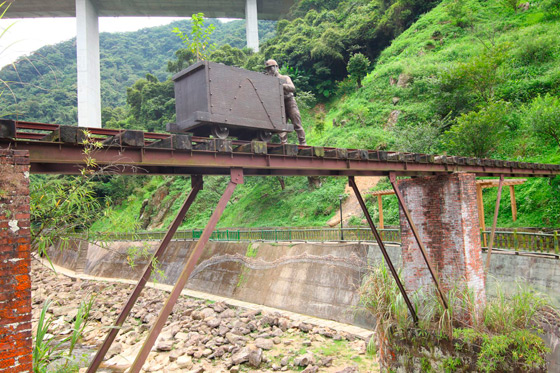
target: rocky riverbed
200 336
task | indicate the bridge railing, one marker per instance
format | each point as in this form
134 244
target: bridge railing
527 241
519 241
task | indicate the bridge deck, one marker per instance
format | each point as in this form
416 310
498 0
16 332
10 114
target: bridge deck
58 149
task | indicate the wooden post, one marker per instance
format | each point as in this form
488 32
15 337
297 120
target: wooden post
513 203
380 204
480 205
493 233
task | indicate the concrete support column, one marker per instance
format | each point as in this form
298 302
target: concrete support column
252 24
87 44
444 209
15 263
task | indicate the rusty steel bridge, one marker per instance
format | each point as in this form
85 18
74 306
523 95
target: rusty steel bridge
59 149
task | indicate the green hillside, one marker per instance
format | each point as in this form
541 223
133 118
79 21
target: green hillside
474 78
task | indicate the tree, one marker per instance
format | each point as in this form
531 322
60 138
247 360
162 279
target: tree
198 42
543 117
358 67
478 133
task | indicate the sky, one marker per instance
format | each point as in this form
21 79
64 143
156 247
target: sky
27 35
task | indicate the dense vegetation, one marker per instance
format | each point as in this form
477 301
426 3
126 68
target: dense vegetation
474 77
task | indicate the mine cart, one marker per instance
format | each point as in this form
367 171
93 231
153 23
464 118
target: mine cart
219 100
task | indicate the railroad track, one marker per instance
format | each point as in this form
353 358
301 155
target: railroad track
58 149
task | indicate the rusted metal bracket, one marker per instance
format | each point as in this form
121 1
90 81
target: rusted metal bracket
236 178
196 181
493 233
352 183
393 179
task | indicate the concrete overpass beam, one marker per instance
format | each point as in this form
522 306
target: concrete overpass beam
252 23
89 78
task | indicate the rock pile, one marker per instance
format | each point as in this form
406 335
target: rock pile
200 336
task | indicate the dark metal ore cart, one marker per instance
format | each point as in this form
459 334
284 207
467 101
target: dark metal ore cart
219 100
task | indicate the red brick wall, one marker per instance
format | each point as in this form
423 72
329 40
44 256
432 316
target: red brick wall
443 208
15 263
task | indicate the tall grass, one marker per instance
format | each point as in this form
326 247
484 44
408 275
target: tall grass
44 350
504 331
47 348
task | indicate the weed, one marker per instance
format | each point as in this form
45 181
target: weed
451 365
251 251
47 349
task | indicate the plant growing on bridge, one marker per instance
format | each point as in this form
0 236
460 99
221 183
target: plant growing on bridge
63 206
198 41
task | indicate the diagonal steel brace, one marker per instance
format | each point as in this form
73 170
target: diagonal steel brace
196 181
393 179
493 233
236 178
352 183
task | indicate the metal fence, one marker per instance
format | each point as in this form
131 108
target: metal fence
526 241
519 241
266 234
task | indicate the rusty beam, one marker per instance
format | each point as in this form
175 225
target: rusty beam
196 181
393 179
236 178
56 158
392 269
493 233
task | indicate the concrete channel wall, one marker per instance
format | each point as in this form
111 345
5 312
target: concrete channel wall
319 279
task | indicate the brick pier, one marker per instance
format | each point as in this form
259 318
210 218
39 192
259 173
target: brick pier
444 210
15 263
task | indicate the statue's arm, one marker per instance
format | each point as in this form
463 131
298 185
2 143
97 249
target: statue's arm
288 85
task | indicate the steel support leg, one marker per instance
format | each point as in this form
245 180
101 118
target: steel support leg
494 222
393 179
236 178
98 359
352 183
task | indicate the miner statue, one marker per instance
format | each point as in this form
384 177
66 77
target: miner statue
292 111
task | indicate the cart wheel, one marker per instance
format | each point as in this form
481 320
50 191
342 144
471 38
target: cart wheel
219 132
265 136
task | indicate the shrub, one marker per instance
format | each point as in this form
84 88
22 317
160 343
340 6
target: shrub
543 117
551 8
480 75
537 50
478 133
417 138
